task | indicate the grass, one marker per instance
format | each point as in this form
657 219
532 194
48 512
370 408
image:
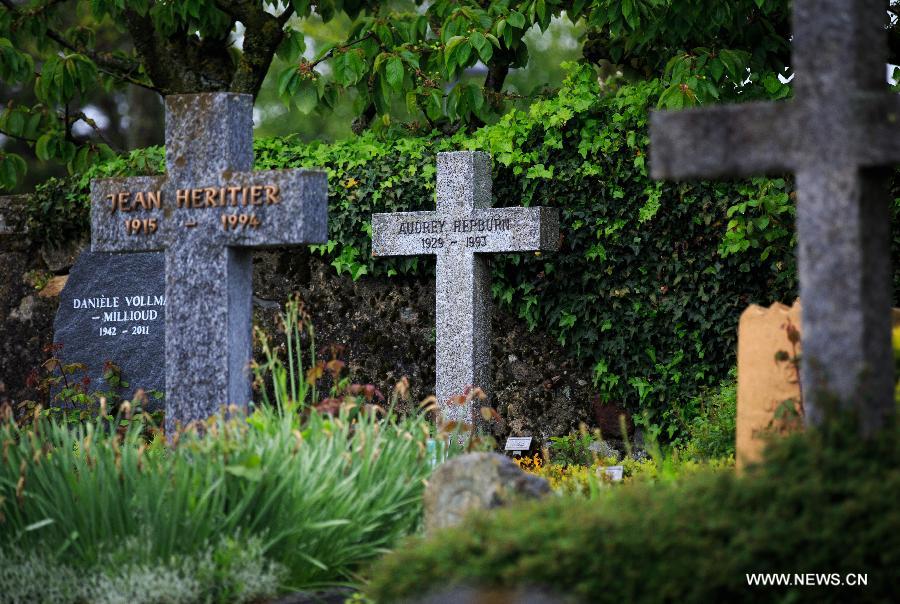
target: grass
303 496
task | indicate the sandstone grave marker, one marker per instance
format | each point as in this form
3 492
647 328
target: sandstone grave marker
837 135
112 308
462 230
764 383
207 214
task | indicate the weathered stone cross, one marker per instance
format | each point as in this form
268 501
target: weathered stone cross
207 213
463 228
837 134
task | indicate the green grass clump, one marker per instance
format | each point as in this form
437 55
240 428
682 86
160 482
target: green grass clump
295 497
824 502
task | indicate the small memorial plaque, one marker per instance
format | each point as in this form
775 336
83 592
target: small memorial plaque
613 473
113 308
518 444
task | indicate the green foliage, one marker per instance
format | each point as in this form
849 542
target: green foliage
711 432
822 503
572 449
395 60
320 493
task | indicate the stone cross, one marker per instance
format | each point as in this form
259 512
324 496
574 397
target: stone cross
462 230
838 134
207 213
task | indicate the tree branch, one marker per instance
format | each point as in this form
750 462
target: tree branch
80 116
331 52
17 137
284 17
111 66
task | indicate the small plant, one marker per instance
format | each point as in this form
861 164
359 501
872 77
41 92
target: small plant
711 433
573 449
66 391
787 415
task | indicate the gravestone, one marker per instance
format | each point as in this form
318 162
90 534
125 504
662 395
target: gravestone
462 230
837 135
112 308
764 383
207 214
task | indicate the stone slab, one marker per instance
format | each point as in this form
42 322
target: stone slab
112 308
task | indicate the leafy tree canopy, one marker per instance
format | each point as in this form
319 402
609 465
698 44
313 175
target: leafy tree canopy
400 60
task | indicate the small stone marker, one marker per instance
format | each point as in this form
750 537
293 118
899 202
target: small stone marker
612 473
113 308
207 214
459 233
763 382
517 444
841 125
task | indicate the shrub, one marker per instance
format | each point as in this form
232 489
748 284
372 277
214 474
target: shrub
711 432
824 502
230 571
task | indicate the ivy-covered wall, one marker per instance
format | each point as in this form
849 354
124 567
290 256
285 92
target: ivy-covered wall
650 278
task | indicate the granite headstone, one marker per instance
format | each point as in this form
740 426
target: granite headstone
837 134
207 214
460 233
112 308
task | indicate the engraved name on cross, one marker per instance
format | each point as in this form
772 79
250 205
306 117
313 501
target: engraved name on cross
462 230
207 213
837 134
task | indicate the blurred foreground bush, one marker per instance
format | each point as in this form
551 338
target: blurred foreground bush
824 502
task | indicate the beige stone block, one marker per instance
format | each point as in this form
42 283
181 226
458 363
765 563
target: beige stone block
765 381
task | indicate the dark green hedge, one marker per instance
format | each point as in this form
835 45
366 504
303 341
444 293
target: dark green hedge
822 504
651 277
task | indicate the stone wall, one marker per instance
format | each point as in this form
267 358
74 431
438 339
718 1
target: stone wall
26 317
386 328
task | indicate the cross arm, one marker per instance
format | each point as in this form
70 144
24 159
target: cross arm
407 233
289 207
727 140
512 229
127 214
879 144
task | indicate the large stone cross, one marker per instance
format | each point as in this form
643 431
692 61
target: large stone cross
207 214
459 233
838 133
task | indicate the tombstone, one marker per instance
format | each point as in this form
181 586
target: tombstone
112 308
764 382
767 377
207 214
837 135
462 230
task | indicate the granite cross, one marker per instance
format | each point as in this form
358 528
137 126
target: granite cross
837 135
207 213
459 233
